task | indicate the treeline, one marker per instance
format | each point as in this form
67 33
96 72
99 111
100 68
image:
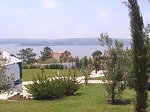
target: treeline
28 56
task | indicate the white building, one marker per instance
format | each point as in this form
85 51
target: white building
13 69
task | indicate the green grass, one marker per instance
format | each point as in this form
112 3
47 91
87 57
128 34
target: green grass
88 99
29 73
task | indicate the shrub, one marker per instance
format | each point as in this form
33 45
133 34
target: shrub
24 66
33 66
54 66
57 87
71 84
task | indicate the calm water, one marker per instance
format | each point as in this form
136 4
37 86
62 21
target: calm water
79 50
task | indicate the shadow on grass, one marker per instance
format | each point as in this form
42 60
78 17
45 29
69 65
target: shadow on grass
60 98
119 102
77 94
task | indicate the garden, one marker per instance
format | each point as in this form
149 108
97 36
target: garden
91 98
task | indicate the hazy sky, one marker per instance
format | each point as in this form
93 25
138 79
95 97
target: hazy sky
66 18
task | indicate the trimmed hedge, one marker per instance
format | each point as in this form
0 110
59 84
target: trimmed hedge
25 66
52 66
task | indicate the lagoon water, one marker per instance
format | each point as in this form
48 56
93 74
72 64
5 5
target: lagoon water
76 50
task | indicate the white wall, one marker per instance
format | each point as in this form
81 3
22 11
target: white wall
13 71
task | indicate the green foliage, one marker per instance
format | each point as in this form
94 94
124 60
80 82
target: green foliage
105 40
96 59
77 63
5 81
56 87
114 68
85 62
90 62
96 53
33 66
51 66
54 66
66 57
129 68
25 66
27 56
140 57
71 84
47 53
86 72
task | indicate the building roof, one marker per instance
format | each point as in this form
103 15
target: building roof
10 59
57 55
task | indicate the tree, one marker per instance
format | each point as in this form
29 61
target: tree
90 62
27 55
47 53
114 68
86 72
66 57
85 61
96 57
129 67
77 63
140 55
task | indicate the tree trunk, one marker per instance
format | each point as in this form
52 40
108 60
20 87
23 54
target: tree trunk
113 95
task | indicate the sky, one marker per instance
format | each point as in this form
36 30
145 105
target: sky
58 19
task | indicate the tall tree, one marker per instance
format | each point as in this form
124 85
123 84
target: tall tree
140 55
27 55
46 53
114 68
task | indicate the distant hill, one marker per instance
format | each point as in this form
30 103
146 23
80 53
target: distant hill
57 42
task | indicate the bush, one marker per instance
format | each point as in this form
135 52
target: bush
54 66
57 87
24 66
71 84
33 66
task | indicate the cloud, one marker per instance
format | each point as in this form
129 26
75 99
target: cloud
50 4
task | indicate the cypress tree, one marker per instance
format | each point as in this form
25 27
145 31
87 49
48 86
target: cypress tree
140 55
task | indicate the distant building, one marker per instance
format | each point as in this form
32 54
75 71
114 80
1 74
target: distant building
57 55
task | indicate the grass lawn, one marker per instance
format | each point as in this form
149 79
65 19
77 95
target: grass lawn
29 73
88 99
